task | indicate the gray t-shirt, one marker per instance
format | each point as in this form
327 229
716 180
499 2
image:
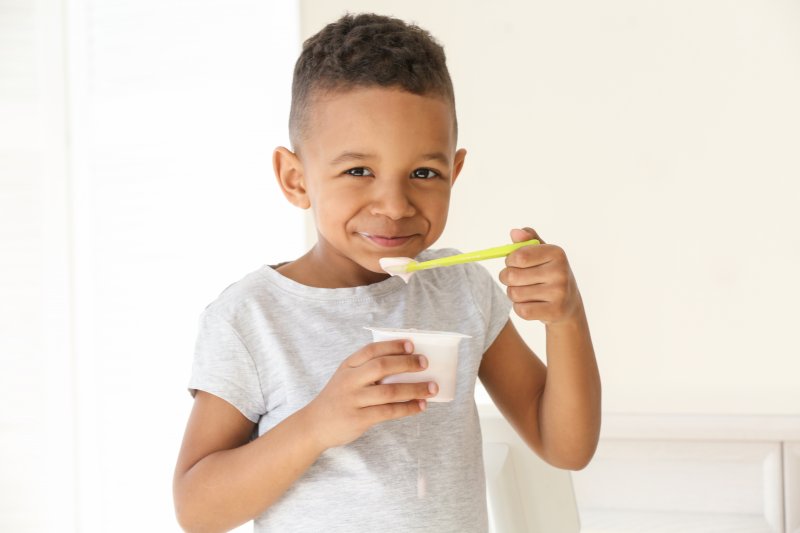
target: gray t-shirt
268 345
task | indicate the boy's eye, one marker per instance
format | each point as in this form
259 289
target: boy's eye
359 172
424 173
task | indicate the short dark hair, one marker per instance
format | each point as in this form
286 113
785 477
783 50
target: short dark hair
367 50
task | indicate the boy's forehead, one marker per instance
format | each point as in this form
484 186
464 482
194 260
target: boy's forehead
359 115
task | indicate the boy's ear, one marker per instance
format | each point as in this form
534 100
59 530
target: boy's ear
289 173
461 154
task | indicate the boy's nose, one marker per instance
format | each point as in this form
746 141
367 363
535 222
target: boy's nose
392 201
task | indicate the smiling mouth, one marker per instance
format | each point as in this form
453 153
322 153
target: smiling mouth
386 241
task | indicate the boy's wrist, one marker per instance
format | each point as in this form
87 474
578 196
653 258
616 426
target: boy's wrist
310 430
573 323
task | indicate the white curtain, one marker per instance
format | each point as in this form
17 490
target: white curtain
135 185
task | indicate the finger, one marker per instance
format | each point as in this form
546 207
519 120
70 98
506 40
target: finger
551 272
533 310
525 234
379 349
532 294
519 277
387 365
397 392
393 411
537 270
531 256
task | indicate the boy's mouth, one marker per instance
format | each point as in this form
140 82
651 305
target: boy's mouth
386 241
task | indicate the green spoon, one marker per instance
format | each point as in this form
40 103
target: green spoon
405 266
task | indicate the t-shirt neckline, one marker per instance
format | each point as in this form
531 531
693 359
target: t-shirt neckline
381 288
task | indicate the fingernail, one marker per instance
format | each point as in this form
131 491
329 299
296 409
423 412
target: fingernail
408 347
433 388
423 404
423 361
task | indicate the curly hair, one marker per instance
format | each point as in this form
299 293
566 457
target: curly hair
367 50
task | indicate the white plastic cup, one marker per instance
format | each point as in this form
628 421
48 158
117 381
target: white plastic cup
441 350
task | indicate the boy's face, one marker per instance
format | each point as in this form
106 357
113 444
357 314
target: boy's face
376 167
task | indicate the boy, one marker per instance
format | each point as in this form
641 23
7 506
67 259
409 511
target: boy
291 425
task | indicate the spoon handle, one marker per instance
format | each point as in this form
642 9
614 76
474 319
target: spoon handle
480 255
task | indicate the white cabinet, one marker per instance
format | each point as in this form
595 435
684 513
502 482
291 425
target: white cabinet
791 484
525 494
693 474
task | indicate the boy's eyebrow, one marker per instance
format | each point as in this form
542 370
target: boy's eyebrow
348 156
437 156
358 156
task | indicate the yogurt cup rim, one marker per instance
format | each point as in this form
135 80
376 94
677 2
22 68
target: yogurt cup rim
424 332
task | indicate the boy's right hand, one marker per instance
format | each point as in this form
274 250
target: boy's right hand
354 399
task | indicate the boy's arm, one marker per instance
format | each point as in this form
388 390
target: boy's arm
222 480
556 409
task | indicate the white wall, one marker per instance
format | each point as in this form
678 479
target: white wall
36 404
135 185
657 143
183 104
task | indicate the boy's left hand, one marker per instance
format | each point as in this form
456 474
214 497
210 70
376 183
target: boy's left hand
540 281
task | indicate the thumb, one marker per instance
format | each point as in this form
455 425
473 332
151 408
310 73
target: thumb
524 234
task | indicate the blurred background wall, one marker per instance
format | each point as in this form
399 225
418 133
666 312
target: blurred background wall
657 143
135 185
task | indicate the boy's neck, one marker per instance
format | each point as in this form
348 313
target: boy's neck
314 270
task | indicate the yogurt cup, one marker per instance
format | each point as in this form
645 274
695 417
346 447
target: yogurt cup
441 350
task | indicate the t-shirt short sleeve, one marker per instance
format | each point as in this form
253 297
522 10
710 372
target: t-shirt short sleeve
224 367
492 302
